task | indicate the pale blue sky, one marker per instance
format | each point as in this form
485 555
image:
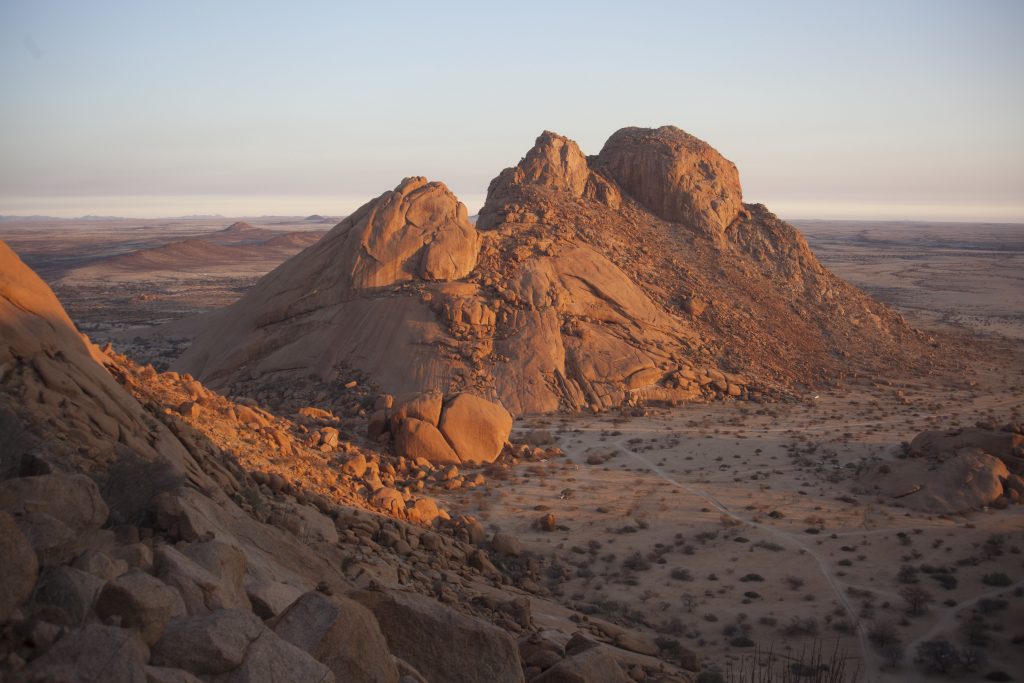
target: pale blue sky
898 109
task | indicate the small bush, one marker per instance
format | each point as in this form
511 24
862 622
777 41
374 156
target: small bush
996 579
798 627
681 574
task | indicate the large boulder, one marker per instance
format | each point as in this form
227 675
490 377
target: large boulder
74 499
340 633
232 646
424 406
142 602
54 542
593 665
202 590
91 654
418 439
476 428
440 643
71 589
270 598
676 176
1007 446
207 645
18 566
969 480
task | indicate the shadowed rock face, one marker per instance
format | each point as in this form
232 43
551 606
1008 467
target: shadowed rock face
586 283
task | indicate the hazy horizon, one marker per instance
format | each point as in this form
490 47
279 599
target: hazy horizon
882 111
156 208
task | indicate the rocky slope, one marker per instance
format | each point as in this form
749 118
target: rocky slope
587 283
153 530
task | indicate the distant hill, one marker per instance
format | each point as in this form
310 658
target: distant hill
239 244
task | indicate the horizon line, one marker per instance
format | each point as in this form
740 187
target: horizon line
196 207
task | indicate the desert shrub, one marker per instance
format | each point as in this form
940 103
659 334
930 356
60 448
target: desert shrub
977 631
938 656
882 633
917 599
892 654
636 562
907 574
711 677
797 627
768 545
947 581
751 577
794 582
992 605
996 579
972 659
681 574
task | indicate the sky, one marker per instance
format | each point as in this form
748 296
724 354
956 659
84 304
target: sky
901 109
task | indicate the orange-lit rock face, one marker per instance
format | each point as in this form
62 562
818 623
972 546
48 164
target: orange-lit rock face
675 175
577 289
419 230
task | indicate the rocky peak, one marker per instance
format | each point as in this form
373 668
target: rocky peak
419 230
554 164
675 175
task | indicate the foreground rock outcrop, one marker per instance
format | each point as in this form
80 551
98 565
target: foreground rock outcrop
587 283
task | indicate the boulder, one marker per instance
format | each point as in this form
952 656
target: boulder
207 645
377 425
389 499
226 562
476 428
339 633
270 598
307 524
53 541
418 439
356 465
272 660
440 643
91 654
100 564
423 510
1007 446
425 406
969 480
202 590
19 566
232 646
142 602
506 544
675 175
593 665
160 674
72 590
74 499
